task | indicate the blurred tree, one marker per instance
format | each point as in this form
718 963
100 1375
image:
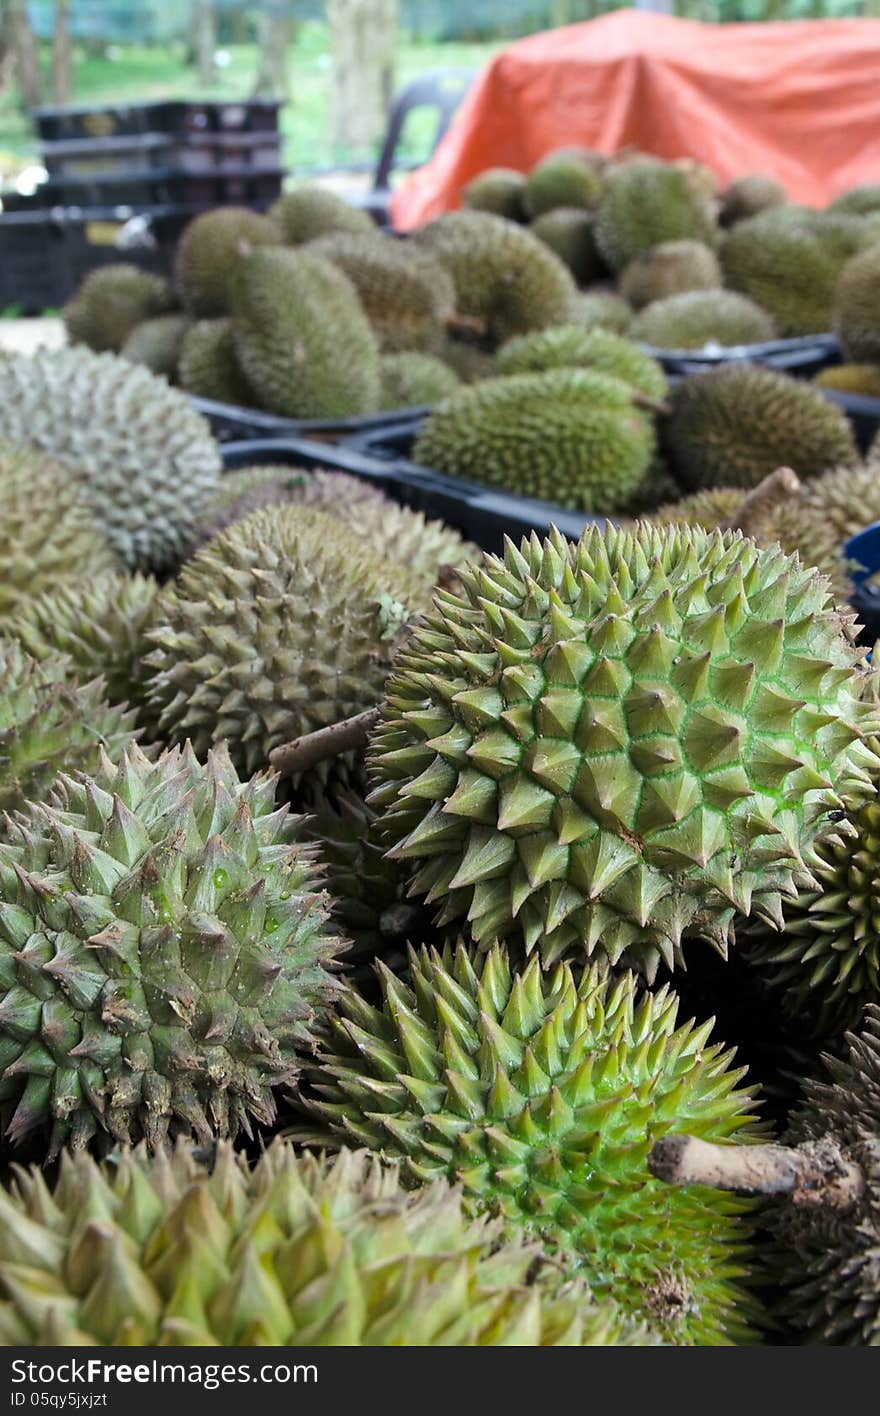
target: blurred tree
363 37
23 47
274 35
204 40
62 54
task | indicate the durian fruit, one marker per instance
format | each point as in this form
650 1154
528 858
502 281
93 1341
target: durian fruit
282 624
603 308
251 488
111 302
156 343
709 508
169 1251
698 318
572 346
50 723
47 531
302 338
859 201
410 380
97 622
748 195
569 232
562 180
540 1094
780 260
148 460
165 951
672 268
505 278
571 436
734 425
467 359
309 211
656 487
408 297
856 309
208 365
209 253
598 747
863 379
497 189
647 202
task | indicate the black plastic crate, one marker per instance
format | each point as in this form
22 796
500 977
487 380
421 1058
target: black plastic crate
233 424
164 116
863 413
34 262
482 514
204 152
87 157
239 185
802 357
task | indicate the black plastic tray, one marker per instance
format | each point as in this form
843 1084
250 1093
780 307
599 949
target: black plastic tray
863 413
231 423
163 116
802 357
146 152
482 514
158 187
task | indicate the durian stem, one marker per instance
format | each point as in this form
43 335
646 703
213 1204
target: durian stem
816 1173
303 752
781 486
466 325
653 405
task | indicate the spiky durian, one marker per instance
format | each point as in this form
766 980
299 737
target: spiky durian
98 622
863 379
571 346
859 201
308 211
505 278
156 343
408 297
47 531
251 488
856 308
572 436
302 338
541 1094
147 457
671 268
736 424
781 260
699 317
644 203
708 509
111 302
164 949
598 747
284 623
208 365
748 195
411 380
569 232
497 189
602 308
298 1251
468 359
562 180
50 723
209 253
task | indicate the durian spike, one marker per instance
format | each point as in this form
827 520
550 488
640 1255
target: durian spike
349 735
781 485
816 1173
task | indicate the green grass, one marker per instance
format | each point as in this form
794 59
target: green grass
140 74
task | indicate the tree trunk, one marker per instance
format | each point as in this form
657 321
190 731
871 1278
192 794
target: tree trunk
24 47
62 55
204 40
275 32
362 44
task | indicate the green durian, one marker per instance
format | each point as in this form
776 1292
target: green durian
411 380
569 232
308 211
156 343
710 509
209 253
467 360
602 308
540 1094
302 339
164 951
561 180
737 423
497 189
170 1251
856 308
572 436
50 723
781 260
672 268
147 458
863 379
407 296
208 366
696 318
645 203
506 280
47 532
858 201
748 195
97 622
111 302
600 747
573 347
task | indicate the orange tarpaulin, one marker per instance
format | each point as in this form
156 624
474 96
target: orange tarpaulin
799 100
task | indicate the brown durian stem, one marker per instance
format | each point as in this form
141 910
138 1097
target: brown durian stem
781 486
466 325
304 752
816 1173
653 405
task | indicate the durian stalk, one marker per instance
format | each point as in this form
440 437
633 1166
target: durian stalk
816 1173
781 486
349 735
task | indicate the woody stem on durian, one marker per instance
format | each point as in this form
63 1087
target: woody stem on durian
781 486
303 752
816 1173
